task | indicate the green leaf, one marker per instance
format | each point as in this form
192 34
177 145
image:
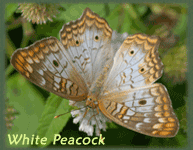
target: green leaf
10 47
9 69
137 23
49 29
113 18
113 6
113 21
182 140
28 31
141 9
111 125
9 10
164 142
175 63
126 26
181 112
181 26
48 125
29 104
75 11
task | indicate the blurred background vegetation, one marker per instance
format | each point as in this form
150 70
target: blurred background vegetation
26 24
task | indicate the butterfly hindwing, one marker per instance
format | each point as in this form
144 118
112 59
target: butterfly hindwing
136 64
146 110
47 64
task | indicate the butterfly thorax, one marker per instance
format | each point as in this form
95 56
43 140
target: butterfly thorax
96 88
91 102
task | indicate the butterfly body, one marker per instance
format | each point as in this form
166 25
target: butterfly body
113 84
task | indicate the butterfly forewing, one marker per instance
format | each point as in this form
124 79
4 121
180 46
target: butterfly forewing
47 64
87 41
147 110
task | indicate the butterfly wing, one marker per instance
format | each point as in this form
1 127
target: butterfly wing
129 98
117 40
147 110
68 69
136 64
47 64
88 43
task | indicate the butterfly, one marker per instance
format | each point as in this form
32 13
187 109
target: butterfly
114 81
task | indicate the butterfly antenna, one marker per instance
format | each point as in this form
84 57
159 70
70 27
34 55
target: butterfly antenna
61 114
68 112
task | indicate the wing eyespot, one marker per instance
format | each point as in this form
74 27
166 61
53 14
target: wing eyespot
142 102
131 53
96 38
142 70
55 63
77 43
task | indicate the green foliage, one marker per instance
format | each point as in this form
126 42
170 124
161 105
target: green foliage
74 11
10 9
111 125
169 21
48 125
28 102
175 62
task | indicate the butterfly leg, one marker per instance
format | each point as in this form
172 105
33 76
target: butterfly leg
86 112
94 114
96 119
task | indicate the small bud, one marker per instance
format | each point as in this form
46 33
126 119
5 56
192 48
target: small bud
39 13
